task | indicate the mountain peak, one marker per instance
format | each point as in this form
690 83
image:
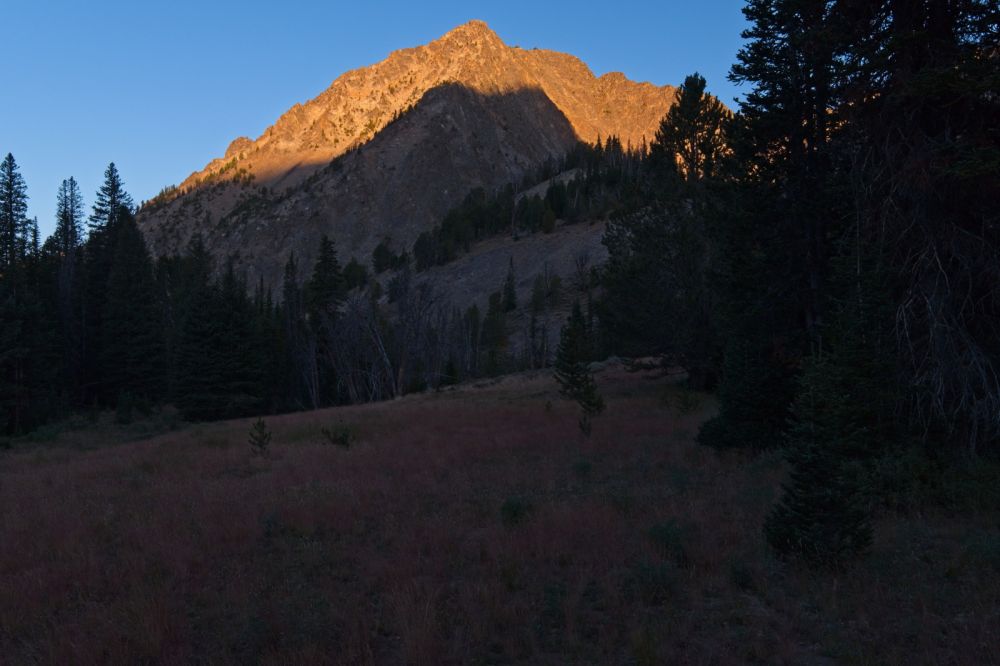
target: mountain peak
473 29
435 121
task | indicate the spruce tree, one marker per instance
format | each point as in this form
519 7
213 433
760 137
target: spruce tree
111 199
69 218
324 294
133 351
111 203
823 515
220 352
787 202
571 371
13 213
691 138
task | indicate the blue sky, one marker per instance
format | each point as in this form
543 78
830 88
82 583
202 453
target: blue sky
162 87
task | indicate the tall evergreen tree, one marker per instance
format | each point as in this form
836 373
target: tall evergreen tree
923 109
111 203
13 213
324 294
111 199
220 358
69 218
790 200
133 351
691 138
658 297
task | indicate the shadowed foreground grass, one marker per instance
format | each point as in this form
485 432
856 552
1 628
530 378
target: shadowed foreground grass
474 526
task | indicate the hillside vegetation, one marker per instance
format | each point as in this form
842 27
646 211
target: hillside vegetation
470 526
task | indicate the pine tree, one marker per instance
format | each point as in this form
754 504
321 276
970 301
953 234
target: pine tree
69 218
13 213
324 294
691 138
98 262
786 202
111 199
571 371
823 516
133 351
220 353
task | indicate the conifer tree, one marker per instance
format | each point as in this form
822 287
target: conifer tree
13 213
133 352
691 138
111 199
773 245
69 218
324 294
220 356
823 516
111 203
571 371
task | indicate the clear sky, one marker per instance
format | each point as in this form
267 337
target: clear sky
161 87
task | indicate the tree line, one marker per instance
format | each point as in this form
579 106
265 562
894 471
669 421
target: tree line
90 321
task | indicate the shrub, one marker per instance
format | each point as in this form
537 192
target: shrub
260 438
340 435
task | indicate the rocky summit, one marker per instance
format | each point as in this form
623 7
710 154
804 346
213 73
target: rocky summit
388 149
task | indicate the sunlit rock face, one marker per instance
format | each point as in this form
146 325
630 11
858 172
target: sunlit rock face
386 150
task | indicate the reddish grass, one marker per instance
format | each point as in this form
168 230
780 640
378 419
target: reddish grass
186 548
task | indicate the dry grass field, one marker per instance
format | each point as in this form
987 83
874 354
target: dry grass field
471 526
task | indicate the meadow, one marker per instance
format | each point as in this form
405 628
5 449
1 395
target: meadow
469 526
